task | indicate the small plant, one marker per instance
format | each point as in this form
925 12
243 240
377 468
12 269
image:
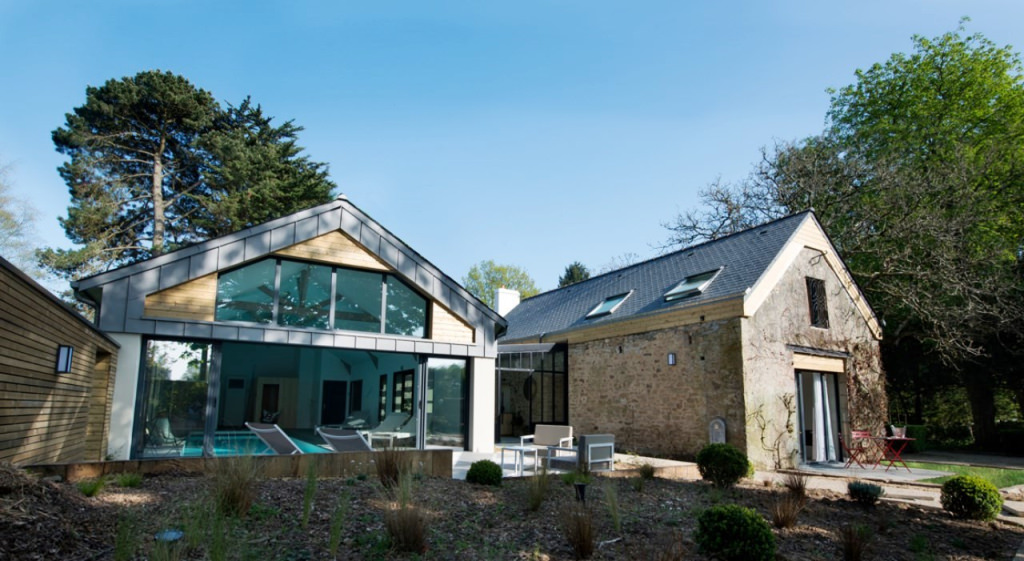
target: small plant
786 509
537 490
723 465
484 472
337 519
126 539
637 483
91 487
646 471
611 500
391 463
668 547
309 493
578 527
855 539
972 498
128 479
796 484
866 494
234 485
406 523
735 533
576 476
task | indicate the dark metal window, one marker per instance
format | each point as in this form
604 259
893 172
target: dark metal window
817 302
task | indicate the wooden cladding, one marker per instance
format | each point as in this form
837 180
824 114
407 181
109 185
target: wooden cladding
335 248
447 328
46 416
195 299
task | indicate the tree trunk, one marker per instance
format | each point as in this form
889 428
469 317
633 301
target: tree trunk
983 408
158 199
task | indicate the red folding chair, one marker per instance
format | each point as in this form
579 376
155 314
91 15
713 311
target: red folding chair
858 449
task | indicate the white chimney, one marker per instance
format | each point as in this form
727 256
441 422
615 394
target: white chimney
504 300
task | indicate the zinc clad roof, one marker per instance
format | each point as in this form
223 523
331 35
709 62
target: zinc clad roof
743 257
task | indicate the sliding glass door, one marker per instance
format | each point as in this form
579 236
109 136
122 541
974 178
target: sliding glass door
819 416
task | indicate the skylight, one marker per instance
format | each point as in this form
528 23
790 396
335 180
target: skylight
609 305
692 285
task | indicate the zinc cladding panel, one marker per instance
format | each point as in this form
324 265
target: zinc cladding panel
203 263
257 245
174 273
282 237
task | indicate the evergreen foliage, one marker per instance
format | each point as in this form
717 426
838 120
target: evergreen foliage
155 163
723 465
574 273
732 532
484 472
970 497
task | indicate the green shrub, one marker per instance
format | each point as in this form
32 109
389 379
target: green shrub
732 532
865 493
91 487
128 479
920 435
646 471
723 465
484 472
966 496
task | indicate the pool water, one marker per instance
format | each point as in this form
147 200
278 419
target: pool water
239 443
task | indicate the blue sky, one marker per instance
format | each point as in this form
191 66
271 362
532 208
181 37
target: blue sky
531 133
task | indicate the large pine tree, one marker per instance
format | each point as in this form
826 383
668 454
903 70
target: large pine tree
156 163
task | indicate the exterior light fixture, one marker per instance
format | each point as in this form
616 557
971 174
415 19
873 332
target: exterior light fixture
64 353
671 359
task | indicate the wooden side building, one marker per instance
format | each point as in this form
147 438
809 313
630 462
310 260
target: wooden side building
51 410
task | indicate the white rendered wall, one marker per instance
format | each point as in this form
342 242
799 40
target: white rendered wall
122 411
481 406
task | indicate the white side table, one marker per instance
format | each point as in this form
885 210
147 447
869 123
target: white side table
519 457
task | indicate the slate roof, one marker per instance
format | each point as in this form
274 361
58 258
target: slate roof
743 256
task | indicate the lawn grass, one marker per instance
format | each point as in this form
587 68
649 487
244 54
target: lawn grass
1000 477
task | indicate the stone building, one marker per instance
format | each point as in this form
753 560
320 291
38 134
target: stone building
761 339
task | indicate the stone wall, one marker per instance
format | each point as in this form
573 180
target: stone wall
783 322
625 386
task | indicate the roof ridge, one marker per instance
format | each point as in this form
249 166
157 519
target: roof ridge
675 252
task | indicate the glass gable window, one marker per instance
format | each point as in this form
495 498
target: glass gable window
609 305
247 294
407 310
358 301
305 295
299 294
691 285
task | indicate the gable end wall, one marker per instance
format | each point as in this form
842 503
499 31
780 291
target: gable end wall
782 321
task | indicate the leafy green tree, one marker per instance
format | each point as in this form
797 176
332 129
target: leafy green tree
918 180
155 163
574 273
487 276
17 227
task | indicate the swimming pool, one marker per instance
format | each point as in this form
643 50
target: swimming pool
240 443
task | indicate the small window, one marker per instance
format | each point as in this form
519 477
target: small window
609 305
817 302
692 285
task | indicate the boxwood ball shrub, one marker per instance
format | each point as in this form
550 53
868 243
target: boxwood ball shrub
723 465
484 472
967 496
865 493
732 532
